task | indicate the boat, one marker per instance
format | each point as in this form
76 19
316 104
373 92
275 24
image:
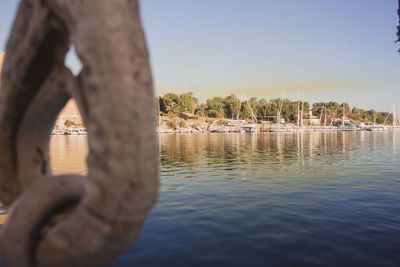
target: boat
72 132
348 128
250 128
282 129
223 130
344 127
162 130
82 131
57 132
377 128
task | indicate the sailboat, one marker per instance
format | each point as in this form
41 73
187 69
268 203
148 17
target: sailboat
348 127
395 121
278 127
250 128
300 113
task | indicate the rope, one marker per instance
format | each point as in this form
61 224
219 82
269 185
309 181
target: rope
76 220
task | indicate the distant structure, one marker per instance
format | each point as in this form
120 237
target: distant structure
312 120
69 117
1 63
1 59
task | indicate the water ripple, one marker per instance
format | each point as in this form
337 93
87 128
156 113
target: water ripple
308 199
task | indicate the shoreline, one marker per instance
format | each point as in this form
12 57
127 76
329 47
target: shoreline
213 125
207 125
300 130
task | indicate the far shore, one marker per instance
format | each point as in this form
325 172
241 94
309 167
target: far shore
194 124
222 125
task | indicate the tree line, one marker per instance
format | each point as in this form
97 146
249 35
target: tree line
232 107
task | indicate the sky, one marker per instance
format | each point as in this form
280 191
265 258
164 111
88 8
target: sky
321 49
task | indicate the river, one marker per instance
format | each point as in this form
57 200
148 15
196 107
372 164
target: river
278 199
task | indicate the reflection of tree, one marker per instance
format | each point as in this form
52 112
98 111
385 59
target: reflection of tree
279 150
68 154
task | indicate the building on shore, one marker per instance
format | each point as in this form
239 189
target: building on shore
69 117
2 54
311 120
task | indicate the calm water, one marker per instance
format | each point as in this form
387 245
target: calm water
276 199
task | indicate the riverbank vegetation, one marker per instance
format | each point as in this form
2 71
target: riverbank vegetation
233 107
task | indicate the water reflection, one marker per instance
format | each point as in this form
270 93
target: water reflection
279 199
281 148
276 151
68 154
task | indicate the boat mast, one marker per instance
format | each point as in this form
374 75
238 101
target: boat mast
280 107
320 116
394 116
240 106
325 117
253 117
344 110
159 111
386 119
278 117
302 110
334 116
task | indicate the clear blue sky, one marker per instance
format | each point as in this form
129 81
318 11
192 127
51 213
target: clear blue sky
328 49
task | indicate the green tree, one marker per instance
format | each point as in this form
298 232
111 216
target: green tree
201 110
247 107
187 103
169 103
231 106
262 109
215 107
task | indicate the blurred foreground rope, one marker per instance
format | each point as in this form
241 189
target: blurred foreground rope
72 220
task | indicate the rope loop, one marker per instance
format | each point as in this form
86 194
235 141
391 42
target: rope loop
71 220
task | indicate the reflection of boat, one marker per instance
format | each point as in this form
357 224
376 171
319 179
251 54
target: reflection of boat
250 128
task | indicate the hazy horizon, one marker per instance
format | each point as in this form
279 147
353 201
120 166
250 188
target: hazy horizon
325 50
